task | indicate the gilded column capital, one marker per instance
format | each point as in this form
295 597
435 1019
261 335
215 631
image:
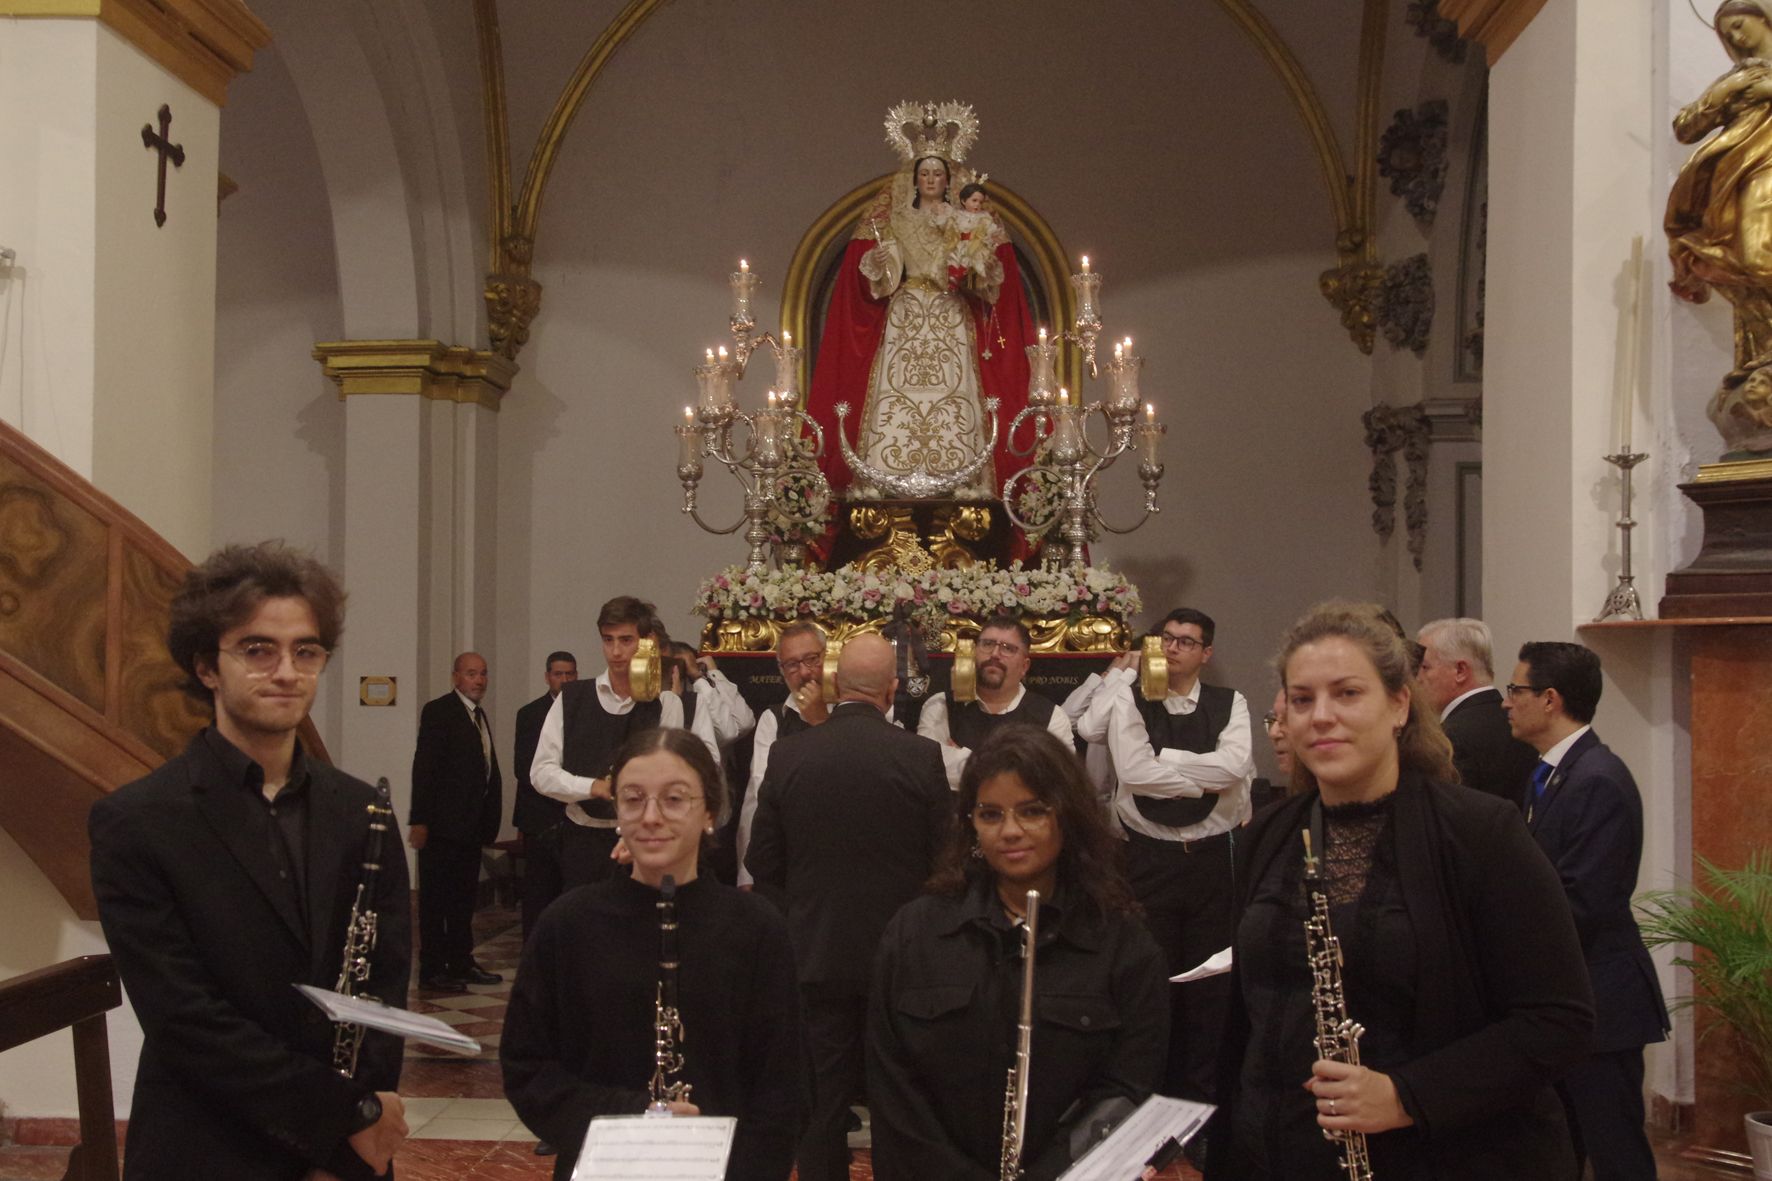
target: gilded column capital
420 368
205 44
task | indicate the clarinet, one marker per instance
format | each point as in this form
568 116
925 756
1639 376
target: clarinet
1338 1035
353 972
667 1022
1015 1097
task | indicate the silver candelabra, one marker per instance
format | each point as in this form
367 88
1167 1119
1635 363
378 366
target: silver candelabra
776 460
1623 602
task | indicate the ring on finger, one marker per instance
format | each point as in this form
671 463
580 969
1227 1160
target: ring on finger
1331 1107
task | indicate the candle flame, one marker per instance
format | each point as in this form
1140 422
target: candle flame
1150 412
744 265
1085 264
722 352
787 338
711 356
688 414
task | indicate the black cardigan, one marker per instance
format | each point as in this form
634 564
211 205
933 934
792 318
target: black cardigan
1503 1004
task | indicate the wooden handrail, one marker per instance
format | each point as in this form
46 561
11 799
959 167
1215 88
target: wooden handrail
76 995
89 697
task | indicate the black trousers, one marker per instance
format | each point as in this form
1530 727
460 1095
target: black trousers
836 1019
448 876
1603 1097
1186 893
542 881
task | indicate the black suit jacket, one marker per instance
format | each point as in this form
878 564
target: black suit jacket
1589 822
454 793
236 1077
1485 751
533 812
850 817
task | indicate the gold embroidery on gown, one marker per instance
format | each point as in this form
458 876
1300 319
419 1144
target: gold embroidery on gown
924 410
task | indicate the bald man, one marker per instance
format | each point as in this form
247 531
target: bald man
850 818
456 798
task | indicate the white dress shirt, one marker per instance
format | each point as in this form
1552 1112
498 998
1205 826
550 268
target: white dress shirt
1110 716
933 723
551 779
727 711
1461 698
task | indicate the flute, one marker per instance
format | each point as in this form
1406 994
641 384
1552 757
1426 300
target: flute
1015 1098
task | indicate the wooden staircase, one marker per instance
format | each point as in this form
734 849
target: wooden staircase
89 697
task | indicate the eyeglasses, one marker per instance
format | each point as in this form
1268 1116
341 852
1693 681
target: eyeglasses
630 804
990 647
263 658
1270 719
1514 690
1033 814
1185 643
812 662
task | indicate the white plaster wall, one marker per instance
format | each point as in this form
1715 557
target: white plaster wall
47 207
1179 167
154 299
279 423
1571 180
37 1078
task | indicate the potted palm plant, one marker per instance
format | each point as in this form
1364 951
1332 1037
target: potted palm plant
1727 926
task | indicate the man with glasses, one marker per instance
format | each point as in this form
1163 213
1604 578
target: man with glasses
1457 678
1183 768
799 653
850 818
1584 810
1003 654
227 876
457 799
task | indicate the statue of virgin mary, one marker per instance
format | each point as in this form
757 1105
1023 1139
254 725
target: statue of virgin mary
927 321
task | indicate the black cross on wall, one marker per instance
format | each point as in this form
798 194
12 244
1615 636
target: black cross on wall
162 144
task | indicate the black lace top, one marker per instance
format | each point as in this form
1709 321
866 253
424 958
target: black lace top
1276 1129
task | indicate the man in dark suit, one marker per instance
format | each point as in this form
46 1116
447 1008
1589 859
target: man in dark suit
537 817
1584 810
228 875
455 811
1457 678
850 817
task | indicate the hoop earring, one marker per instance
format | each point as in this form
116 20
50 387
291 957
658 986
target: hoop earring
977 853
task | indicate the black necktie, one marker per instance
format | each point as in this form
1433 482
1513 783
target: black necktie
485 738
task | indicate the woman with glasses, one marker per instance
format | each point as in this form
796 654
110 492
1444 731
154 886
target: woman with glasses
946 995
578 1036
1457 953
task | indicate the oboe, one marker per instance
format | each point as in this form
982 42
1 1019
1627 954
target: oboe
1015 1098
1338 1035
667 1023
347 1038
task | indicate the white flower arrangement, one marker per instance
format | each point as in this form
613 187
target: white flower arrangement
974 591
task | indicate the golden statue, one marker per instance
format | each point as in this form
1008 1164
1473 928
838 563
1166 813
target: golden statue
1719 218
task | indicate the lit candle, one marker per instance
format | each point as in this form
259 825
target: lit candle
686 440
1119 352
1085 264
787 369
1128 343
1064 431
743 265
722 354
711 355
787 338
1042 335
744 286
1150 432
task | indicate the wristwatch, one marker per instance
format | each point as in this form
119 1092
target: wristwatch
368 1112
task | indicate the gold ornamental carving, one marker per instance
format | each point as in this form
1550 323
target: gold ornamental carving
425 368
205 44
1052 635
1356 290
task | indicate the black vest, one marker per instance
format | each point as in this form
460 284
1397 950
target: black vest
591 736
787 721
970 724
1197 733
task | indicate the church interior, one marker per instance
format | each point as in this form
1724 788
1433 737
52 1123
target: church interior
424 286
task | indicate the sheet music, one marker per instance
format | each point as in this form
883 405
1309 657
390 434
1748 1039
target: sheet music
1216 964
1122 1155
638 1148
369 1012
